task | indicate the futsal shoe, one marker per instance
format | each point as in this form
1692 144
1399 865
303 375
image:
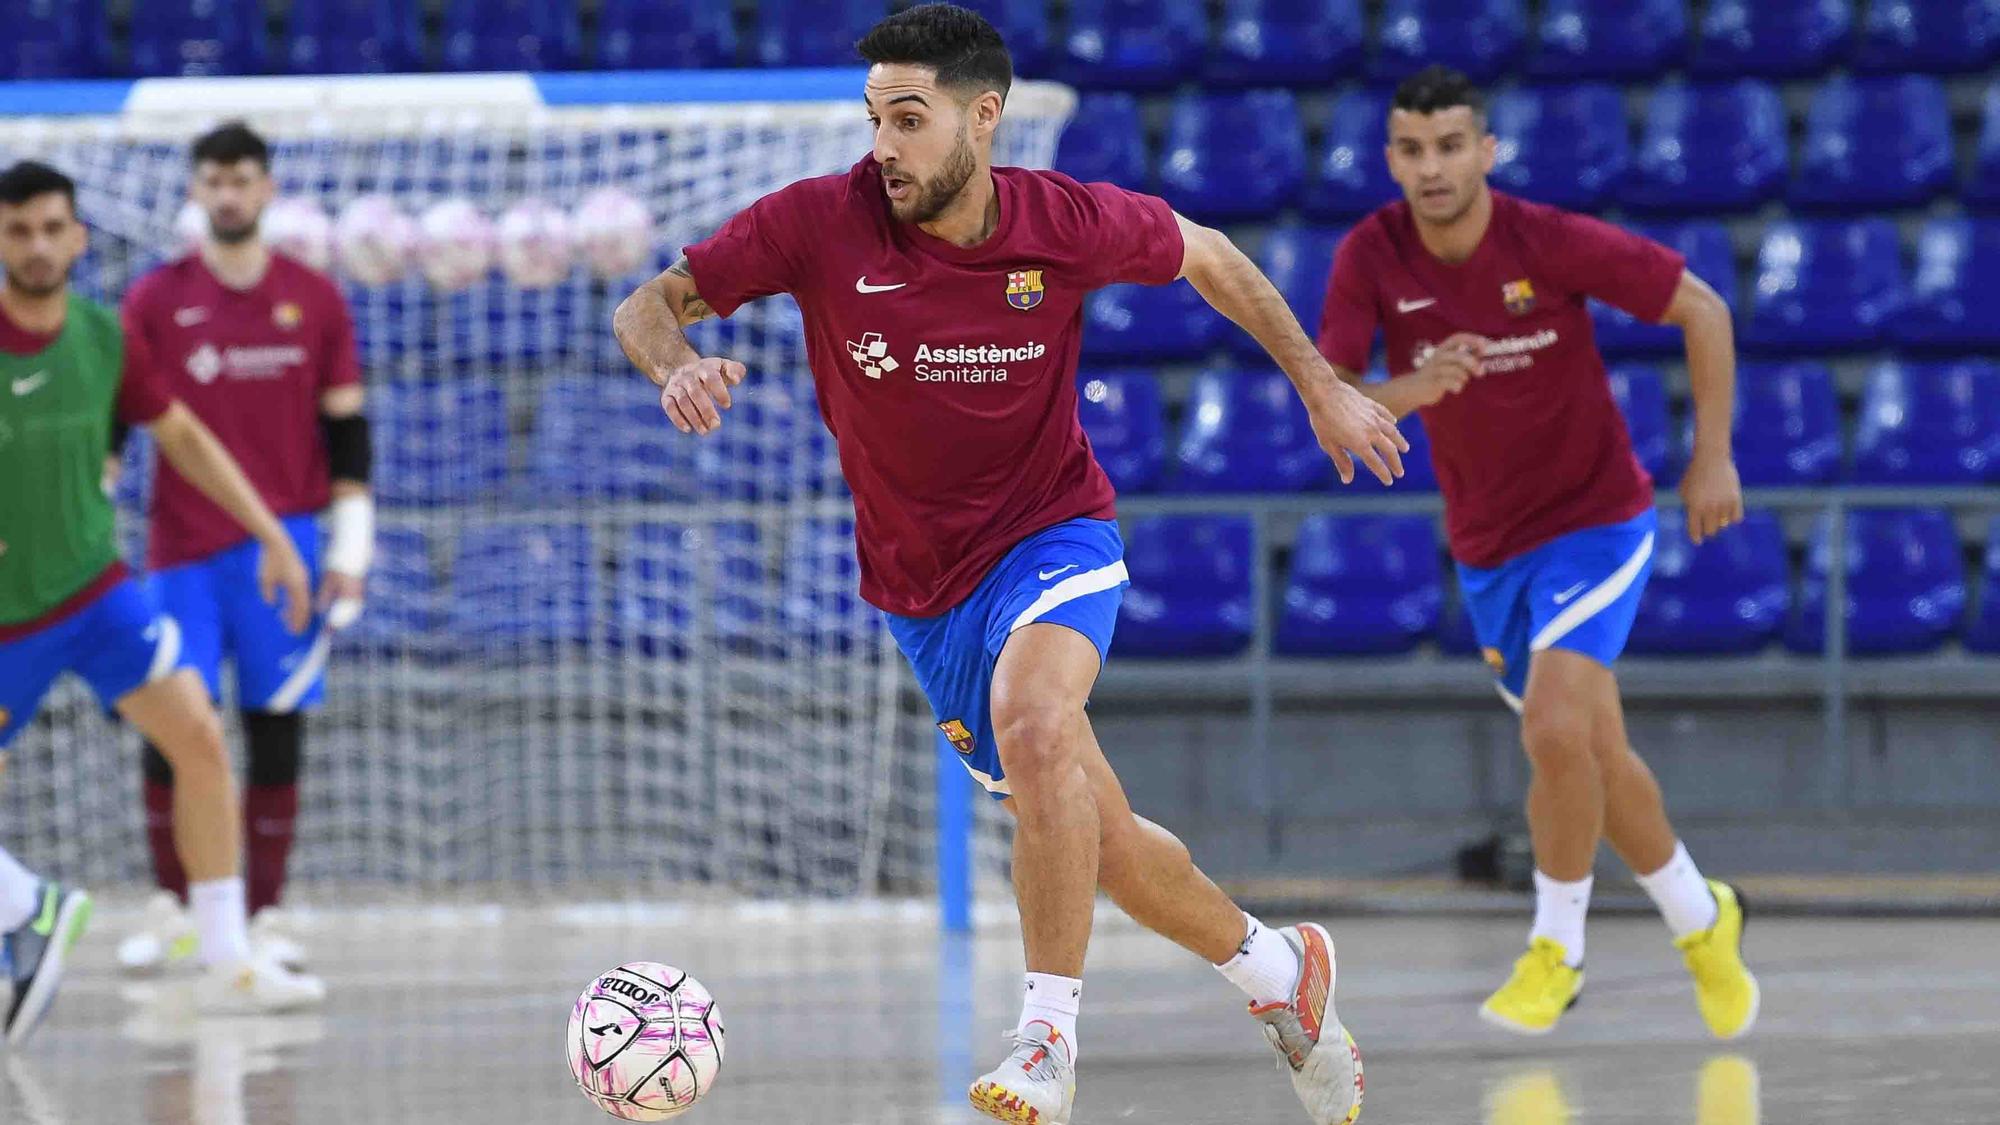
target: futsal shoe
32 957
253 987
164 940
274 937
1542 988
1311 1043
1723 987
1037 1083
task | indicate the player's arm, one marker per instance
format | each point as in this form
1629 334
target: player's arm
1445 371
188 445
651 326
350 544
1710 488
1347 422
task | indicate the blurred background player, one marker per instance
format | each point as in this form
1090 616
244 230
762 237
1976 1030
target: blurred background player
261 348
943 325
67 603
1549 513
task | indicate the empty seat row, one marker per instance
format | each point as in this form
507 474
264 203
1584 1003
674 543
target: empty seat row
1361 585
1868 143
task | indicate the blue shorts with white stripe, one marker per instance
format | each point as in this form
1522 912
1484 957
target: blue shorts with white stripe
1579 593
1072 574
119 643
223 613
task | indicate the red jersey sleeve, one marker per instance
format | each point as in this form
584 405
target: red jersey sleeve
339 359
1348 319
1590 256
142 396
1127 237
758 252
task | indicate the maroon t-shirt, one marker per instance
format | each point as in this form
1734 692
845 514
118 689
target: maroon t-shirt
947 375
252 365
1537 447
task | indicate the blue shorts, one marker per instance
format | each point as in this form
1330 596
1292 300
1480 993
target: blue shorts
119 643
1072 574
1579 593
222 612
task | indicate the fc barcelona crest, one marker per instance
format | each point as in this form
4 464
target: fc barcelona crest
1024 289
1518 296
955 733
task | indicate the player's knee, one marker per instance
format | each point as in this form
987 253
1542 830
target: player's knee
1035 741
196 744
1556 738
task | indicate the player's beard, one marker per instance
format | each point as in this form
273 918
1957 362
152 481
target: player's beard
233 235
941 191
47 283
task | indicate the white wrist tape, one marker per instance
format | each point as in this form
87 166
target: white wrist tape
351 545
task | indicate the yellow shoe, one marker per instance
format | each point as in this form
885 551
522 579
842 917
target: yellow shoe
1723 987
1542 988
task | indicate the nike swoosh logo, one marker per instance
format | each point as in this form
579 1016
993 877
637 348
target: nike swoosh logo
30 384
1564 597
1413 306
1045 575
861 286
47 922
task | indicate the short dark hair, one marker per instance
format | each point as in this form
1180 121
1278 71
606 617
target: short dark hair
230 142
1437 88
31 178
965 50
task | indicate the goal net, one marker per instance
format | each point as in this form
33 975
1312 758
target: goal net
598 655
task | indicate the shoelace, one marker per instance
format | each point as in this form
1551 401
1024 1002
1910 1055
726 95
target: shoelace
1040 1071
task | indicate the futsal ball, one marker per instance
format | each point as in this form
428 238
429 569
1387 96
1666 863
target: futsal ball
373 240
645 1042
190 226
535 244
454 244
614 231
298 228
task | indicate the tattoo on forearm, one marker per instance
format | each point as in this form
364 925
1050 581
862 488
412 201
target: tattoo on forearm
693 308
681 268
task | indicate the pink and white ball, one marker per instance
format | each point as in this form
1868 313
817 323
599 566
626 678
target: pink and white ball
300 229
373 239
645 1042
454 245
614 232
536 244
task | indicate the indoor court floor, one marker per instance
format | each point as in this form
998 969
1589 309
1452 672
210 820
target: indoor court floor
863 1016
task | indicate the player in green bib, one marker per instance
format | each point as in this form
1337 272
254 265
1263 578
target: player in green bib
67 604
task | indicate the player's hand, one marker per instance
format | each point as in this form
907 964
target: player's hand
1712 495
1351 425
281 573
1449 368
695 394
340 597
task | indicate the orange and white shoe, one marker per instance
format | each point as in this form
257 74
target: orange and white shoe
1311 1043
1037 1083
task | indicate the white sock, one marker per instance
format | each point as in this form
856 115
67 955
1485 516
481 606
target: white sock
1682 895
1559 912
219 921
1054 1001
1265 967
18 900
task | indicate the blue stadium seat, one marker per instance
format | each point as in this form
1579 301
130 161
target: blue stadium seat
1709 147
215 37
1609 38
1905 583
1564 146
1233 156
353 37
524 583
754 456
821 610
1126 421
511 35
1983 635
51 39
1149 322
1771 38
1297 259
1642 397
656 589
1190 592
1361 585
1982 187
1350 176
1286 42
1133 44
604 438
1729 595
814 32
1875 143
1826 284
1929 36
1479 37
1706 246
1247 431
741 614
665 34
1106 141
438 441
1454 633
1787 428
405 600
1929 423
1025 26
1955 289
